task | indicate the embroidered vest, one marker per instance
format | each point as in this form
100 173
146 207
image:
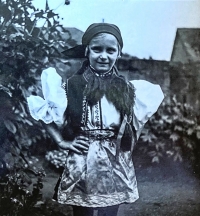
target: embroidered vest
75 94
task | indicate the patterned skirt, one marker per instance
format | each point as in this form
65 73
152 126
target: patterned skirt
98 178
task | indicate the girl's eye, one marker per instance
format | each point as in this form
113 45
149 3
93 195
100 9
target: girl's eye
96 49
111 50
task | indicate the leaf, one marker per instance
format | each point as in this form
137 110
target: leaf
188 121
169 153
160 145
198 134
51 14
39 204
174 137
14 150
23 109
155 159
168 120
39 14
178 128
152 153
178 157
198 128
10 126
148 137
189 145
190 131
29 122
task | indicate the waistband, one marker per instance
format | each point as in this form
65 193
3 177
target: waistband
99 134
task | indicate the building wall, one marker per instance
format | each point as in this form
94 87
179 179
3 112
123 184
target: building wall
185 67
185 82
182 80
154 71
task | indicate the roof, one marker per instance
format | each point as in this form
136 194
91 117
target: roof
72 36
76 34
186 45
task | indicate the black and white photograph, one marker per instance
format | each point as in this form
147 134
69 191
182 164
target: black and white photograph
99 108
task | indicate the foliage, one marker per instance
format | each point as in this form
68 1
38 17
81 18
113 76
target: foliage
173 131
57 158
21 193
25 50
15 198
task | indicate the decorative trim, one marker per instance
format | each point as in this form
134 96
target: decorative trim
100 110
84 111
98 200
64 86
97 116
91 72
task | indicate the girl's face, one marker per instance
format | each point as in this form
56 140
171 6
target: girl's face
103 51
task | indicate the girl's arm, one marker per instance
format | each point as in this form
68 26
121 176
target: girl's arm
53 131
78 145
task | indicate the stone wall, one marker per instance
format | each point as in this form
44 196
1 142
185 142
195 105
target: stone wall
185 83
182 80
154 71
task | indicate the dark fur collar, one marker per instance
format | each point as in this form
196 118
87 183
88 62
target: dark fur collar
116 89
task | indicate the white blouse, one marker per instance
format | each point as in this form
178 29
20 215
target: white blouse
103 115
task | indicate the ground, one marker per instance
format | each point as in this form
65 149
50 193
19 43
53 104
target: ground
168 188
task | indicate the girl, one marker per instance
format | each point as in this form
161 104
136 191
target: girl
103 118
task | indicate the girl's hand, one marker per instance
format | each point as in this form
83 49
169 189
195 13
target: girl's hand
79 145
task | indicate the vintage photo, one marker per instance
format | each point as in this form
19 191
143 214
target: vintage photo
99 108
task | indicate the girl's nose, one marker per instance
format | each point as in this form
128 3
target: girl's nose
103 56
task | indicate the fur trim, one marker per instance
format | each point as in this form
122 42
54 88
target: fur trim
116 89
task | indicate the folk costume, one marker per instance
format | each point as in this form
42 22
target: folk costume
108 110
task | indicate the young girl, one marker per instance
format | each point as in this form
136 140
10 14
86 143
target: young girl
103 118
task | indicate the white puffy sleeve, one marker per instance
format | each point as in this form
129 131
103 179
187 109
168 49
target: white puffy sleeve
52 107
148 98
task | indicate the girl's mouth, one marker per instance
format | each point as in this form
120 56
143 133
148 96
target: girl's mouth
103 63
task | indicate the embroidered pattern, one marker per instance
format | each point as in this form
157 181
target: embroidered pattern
88 73
64 86
95 179
84 111
97 116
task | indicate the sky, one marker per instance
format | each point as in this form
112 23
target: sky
148 27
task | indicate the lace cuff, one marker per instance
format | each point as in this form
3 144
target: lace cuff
52 107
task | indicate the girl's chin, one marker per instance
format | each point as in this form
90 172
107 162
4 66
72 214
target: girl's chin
103 69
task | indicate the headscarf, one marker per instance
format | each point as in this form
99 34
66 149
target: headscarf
97 28
91 31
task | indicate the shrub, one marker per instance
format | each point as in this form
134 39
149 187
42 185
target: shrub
25 50
174 131
15 198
